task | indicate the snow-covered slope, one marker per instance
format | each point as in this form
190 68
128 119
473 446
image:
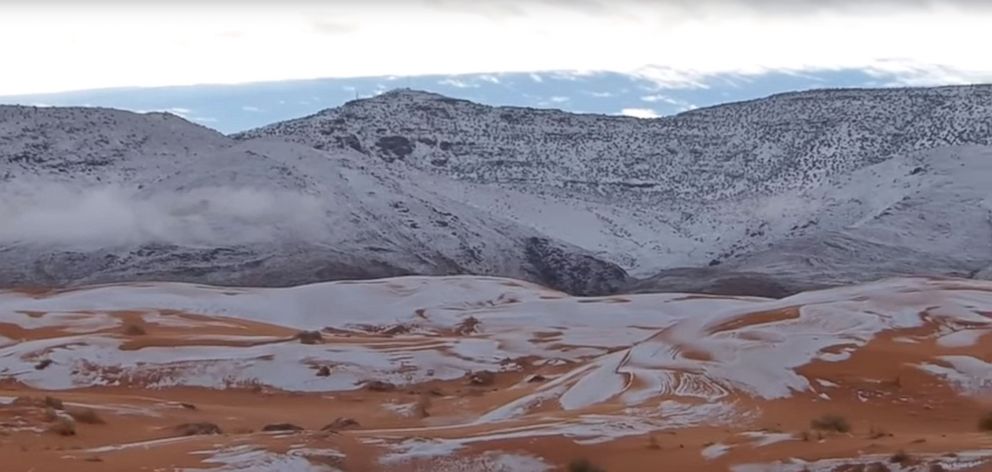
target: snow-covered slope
820 187
98 195
770 196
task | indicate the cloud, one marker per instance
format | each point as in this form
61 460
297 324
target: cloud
681 105
453 82
113 216
639 112
559 99
251 109
921 42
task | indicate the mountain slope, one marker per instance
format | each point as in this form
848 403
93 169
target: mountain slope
171 200
762 186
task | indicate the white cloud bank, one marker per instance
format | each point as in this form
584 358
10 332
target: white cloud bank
639 112
112 216
81 45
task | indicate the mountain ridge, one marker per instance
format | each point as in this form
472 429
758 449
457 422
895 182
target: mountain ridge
797 188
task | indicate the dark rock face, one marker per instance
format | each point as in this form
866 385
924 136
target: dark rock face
714 281
398 146
577 274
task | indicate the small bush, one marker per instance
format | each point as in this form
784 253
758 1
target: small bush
900 458
194 429
134 330
85 415
831 422
310 337
985 422
340 423
281 427
379 386
63 426
481 378
54 403
877 433
583 465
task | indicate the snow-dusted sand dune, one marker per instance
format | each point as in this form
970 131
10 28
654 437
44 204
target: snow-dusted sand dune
476 373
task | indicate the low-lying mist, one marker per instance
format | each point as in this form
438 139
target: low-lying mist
112 216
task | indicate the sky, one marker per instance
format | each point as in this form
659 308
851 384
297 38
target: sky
237 107
233 65
67 45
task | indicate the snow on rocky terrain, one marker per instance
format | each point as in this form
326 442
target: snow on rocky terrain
767 197
92 195
481 374
797 185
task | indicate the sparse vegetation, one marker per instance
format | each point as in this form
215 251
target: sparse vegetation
877 433
583 465
54 403
901 458
63 426
281 427
310 337
85 415
831 422
379 386
339 424
195 429
985 422
481 378
423 404
131 329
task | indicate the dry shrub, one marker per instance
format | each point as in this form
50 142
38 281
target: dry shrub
877 433
310 337
340 423
583 465
901 458
54 403
134 330
194 429
281 427
63 426
831 422
422 405
985 422
379 386
85 415
481 378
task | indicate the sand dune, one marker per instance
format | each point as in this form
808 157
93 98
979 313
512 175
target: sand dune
488 374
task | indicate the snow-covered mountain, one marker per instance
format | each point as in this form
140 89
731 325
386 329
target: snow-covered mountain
769 196
811 188
94 195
